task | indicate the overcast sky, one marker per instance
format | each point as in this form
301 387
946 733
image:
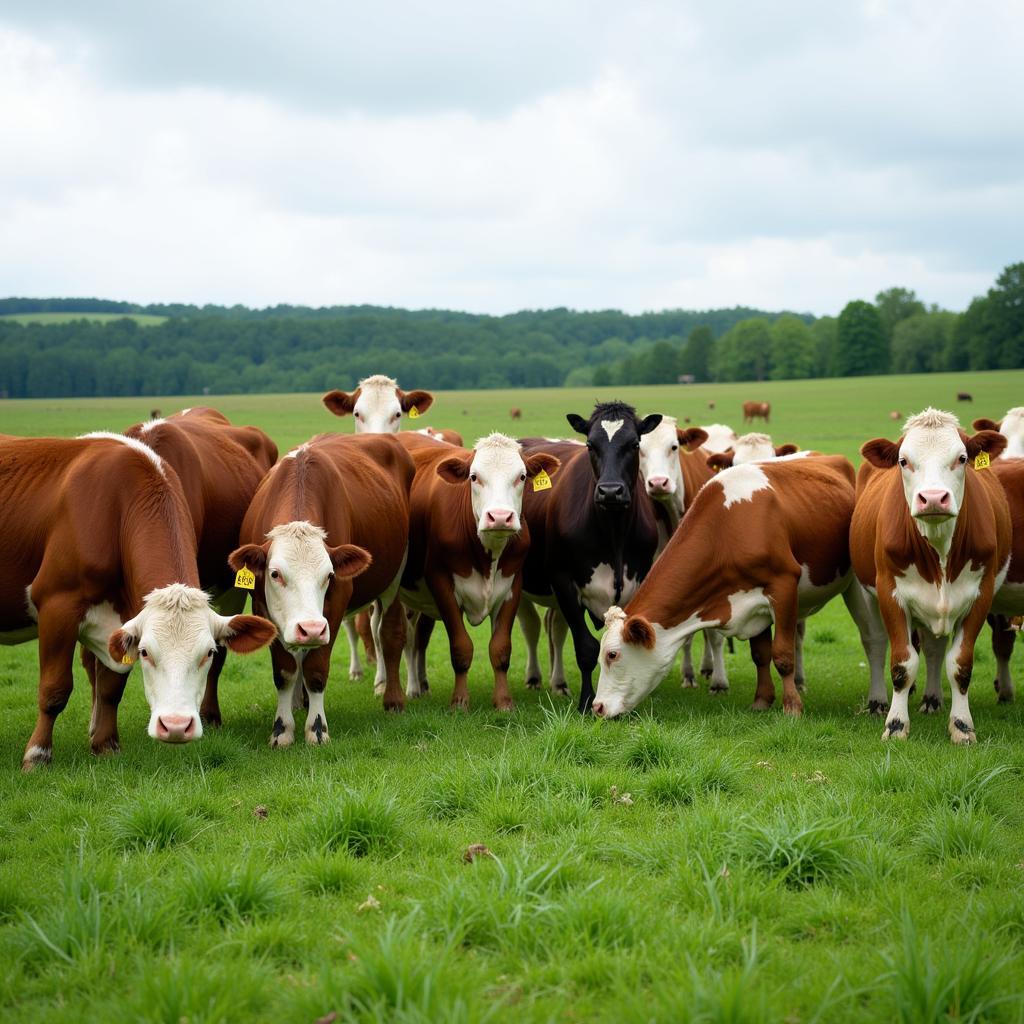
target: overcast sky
499 156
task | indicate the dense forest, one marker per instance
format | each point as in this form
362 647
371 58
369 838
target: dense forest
222 349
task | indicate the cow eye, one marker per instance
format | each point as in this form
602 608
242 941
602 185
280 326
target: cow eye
612 655
330 577
522 477
963 458
473 477
275 574
675 447
903 462
211 652
143 653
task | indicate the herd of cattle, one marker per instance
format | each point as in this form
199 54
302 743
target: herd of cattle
142 547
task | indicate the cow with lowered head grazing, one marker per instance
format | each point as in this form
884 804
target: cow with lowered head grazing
593 533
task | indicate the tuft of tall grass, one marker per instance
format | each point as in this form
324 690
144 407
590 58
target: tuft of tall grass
651 745
802 850
967 832
452 792
153 822
230 892
364 824
567 738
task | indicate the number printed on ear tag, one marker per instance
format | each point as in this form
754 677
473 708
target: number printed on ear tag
542 482
982 460
245 579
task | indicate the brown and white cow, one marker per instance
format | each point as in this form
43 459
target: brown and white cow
930 539
102 551
326 535
721 436
467 545
377 404
749 448
762 544
1011 426
757 410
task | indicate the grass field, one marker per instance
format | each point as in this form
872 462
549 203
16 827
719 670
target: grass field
142 319
693 862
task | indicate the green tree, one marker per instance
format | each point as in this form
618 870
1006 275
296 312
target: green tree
603 377
896 304
861 344
1006 317
794 353
744 351
920 343
661 364
696 356
824 330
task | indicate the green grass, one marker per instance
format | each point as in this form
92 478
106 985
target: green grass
142 319
694 862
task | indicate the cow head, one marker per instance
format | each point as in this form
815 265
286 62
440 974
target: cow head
659 460
1011 427
174 637
294 569
377 404
497 471
750 448
932 456
613 435
632 662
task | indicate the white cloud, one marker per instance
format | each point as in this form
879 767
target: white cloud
674 158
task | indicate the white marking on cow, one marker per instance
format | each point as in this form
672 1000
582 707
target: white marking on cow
30 607
938 606
316 710
130 442
481 596
285 702
296 451
433 434
598 593
752 448
378 409
721 437
298 553
151 424
750 613
101 621
611 426
185 412
741 483
565 440
1012 428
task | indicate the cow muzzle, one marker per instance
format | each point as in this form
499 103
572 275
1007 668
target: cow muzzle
659 485
500 520
934 503
612 495
177 728
311 633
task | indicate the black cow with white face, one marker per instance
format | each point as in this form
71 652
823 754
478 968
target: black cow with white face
593 535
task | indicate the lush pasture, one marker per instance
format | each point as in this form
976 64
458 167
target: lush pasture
142 319
694 862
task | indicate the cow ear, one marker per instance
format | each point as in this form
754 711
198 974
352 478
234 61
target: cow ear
349 560
691 438
455 469
648 423
541 462
244 634
249 556
340 402
638 631
123 644
786 449
577 422
881 453
720 460
986 424
990 441
421 401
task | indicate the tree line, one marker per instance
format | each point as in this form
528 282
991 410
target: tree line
292 348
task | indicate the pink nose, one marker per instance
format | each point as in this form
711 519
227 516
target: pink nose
175 728
932 501
658 483
598 708
312 632
500 519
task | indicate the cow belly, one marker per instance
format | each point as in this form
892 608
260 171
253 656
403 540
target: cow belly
939 608
812 599
598 593
419 599
480 596
750 613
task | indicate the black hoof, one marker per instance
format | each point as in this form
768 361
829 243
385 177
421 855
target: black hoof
878 707
930 704
533 683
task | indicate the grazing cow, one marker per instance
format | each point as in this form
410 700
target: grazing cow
930 540
102 551
594 533
219 466
326 535
674 468
762 543
467 545
721 437
515 412
377 404
749 448
964 396
757 410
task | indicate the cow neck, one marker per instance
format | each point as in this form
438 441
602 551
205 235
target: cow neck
158 544
668 513
612 530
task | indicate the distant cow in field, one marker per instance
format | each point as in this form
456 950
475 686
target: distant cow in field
931 541
757 410
154 414
515 412
711 405
896 415
964 396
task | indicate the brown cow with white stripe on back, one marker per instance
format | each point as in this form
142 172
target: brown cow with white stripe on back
930 539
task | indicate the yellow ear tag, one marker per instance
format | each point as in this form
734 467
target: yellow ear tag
542 482
245 579
414 413
982 461
127 660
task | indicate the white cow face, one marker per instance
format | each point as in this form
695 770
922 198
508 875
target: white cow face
750 448
377 404
497 472
721 437
632 663
933 455
175 636
659 460
1012 428
294 569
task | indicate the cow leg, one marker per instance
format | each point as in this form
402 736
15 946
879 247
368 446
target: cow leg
108 691
798 674
707 664
424 629
355 666
89 660
557 627
863 609
587 649
715 643
316 666
500 647
783 595
903 661
761 655
287 675
1003 637
460 645
934 648
413 689
391 641
689 681
960 665
380 677
529 623
58 634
